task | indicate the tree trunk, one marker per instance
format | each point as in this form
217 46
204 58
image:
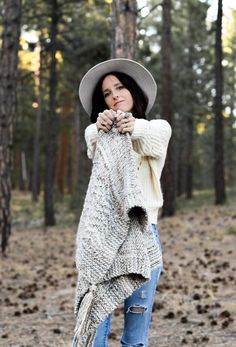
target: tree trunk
8 104
74 151
180 179
231 148
124 17
219 181
168 180
63 143
61 161
38 82
51 123
24 173
190 107
189 157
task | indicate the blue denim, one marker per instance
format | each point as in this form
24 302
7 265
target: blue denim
136 324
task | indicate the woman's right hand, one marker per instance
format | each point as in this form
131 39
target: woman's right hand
105 120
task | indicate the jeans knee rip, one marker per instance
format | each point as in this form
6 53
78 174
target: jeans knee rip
137 309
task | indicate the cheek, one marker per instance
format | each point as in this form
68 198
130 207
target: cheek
108 101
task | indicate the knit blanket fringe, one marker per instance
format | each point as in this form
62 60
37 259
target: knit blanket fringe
81 327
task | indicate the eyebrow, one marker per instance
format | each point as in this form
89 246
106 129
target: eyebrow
115 85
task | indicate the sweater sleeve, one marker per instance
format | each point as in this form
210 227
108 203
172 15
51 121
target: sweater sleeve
151 138
91 139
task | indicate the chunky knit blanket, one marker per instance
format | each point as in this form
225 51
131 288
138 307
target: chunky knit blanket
115 246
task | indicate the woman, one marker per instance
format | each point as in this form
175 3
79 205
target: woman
118 93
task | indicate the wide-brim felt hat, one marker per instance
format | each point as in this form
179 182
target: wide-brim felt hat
131 68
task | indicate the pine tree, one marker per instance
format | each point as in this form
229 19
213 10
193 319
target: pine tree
220 195
8 83
124 17
168 182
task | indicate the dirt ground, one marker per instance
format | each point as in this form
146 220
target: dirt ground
195 303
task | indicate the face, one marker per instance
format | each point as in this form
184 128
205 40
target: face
116 96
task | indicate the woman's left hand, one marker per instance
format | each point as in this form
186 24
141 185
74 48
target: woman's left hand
125 122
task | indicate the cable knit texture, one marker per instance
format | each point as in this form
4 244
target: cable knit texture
150 141
115 246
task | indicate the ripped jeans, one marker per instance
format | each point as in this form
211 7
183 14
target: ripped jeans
137 313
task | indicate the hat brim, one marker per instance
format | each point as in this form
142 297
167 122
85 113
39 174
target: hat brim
131 68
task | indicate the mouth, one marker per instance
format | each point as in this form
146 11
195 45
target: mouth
118 102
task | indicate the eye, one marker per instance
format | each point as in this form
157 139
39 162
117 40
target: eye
120 87
106 94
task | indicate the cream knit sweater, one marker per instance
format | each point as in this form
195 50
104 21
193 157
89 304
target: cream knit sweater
150 141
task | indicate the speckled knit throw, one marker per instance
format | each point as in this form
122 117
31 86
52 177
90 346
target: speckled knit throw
115 246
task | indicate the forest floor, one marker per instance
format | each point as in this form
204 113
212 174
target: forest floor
195 303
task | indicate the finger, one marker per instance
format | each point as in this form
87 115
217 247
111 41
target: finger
129 129
120 115
110 115
125 115
104 119
123 127
122 122
102 122
126 123
120 118
106 123
105 128
103 116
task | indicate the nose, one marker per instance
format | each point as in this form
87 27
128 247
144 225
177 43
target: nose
115 96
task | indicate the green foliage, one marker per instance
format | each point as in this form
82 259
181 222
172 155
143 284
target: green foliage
26 214
78 46
84 39
193 81
232 230
204 197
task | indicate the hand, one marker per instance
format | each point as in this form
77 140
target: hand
123 123
105 120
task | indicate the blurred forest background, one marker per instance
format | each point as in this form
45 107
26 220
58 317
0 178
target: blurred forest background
192 55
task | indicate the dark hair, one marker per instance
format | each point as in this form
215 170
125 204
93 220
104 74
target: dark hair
139 97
